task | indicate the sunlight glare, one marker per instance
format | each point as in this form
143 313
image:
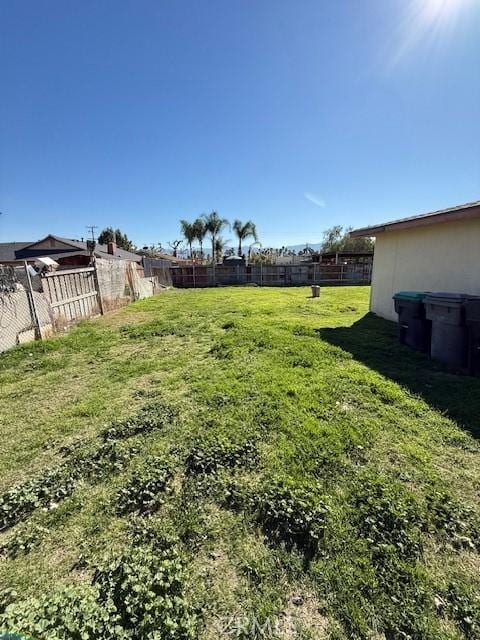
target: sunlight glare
425 23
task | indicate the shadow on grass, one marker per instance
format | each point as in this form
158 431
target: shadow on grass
374 342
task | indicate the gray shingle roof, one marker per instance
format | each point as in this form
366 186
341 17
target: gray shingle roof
7 250
101 250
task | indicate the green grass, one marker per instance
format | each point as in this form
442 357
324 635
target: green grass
287 467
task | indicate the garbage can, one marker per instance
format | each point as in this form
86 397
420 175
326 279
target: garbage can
449 331
414 329
472 319
315 291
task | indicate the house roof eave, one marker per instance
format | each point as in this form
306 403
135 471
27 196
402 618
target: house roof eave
461 212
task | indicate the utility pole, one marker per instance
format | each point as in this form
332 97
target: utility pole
91 246
91 242
91 229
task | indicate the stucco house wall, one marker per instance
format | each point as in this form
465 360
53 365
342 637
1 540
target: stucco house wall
439 257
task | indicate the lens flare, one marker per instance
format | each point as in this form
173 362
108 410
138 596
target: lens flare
426 23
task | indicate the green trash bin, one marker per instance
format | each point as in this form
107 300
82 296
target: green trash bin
414 329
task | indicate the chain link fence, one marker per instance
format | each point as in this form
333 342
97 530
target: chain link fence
24 313
34 306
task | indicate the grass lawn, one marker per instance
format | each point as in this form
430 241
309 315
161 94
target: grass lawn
238 462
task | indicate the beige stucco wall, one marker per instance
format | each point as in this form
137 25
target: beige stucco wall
439 257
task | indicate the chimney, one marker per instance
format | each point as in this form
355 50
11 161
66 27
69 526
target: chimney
111 248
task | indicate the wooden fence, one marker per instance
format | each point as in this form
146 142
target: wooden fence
271 275
72 293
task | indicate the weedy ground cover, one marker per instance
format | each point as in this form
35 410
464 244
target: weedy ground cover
238 461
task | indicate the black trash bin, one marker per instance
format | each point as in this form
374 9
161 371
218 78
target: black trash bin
414 329
449 332
472 319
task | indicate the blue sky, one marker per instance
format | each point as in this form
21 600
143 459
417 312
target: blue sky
296 114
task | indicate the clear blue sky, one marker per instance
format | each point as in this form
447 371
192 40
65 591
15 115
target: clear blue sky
299 114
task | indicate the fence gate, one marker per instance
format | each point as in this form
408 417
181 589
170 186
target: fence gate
72 293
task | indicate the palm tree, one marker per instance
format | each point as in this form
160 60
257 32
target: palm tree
214 225
220 244
259 244
244 231
189 233
200 233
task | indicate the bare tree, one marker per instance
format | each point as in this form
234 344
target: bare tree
174 245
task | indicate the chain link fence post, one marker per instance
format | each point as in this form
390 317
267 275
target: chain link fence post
33 306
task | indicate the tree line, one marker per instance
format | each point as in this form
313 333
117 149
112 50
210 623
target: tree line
338 238
212 225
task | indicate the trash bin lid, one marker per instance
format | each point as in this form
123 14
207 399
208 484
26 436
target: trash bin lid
414 296
446 296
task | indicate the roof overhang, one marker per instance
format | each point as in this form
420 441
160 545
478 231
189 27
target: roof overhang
461 212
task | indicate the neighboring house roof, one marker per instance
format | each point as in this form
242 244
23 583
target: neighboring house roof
459 212
7 250
64 254
31 250
169 257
